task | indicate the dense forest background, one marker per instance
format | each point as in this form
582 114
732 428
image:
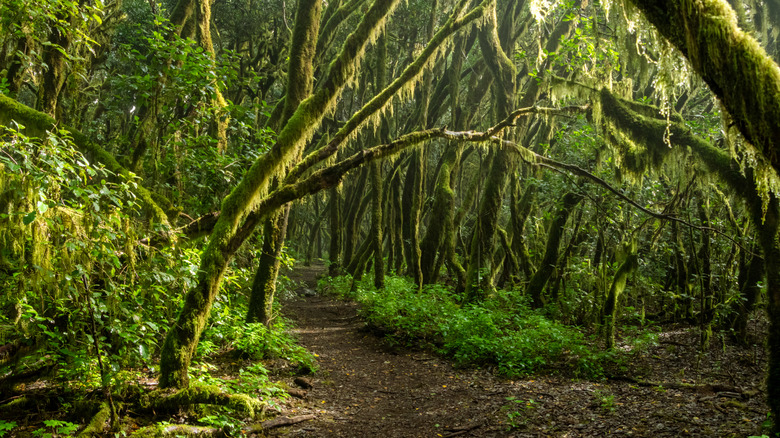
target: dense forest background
561 168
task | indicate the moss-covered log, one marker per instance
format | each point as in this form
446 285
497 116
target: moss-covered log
98 422
173 401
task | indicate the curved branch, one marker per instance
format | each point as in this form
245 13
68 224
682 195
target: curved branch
37 123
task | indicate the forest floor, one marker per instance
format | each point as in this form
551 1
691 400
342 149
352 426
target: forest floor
366 387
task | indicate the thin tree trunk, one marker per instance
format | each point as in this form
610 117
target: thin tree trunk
618 285
261 298
334 250
550 259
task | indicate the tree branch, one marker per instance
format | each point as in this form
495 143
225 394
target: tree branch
37 123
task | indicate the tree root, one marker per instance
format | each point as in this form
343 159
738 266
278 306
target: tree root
182 430
98 422
164 400
717 388
17 404
162 431
282 421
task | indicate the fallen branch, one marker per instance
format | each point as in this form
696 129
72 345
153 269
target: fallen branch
461 430
297 393
286 421
715 388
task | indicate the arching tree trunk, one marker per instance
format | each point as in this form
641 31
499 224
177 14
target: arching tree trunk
181 340
300 80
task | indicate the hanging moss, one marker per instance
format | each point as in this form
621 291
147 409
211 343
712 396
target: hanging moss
731 62
181 340
404 83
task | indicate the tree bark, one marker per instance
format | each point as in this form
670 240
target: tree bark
731 62
300 80
182 338
554 236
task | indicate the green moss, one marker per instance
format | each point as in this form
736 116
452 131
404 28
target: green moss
731 62
98 422
404 83
37 123
172 401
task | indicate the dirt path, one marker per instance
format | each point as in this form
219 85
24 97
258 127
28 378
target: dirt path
365 389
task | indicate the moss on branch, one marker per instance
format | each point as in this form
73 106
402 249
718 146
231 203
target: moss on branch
37 123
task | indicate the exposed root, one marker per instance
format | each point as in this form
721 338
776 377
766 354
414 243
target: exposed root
98 422
165 400
183 430
282 421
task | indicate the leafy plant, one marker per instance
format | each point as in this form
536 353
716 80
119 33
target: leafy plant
6 426
55 428
502 332
605 400
260 342
516 411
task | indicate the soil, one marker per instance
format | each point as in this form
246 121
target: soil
367 388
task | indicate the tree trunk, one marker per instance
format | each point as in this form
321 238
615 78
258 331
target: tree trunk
261 298
334 249
54 76
618 285
550 259
376 220
481 252
300 81
182 338
751 272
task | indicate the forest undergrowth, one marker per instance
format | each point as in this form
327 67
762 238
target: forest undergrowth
241 378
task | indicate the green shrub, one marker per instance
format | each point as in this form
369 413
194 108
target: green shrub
260 342
503 332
